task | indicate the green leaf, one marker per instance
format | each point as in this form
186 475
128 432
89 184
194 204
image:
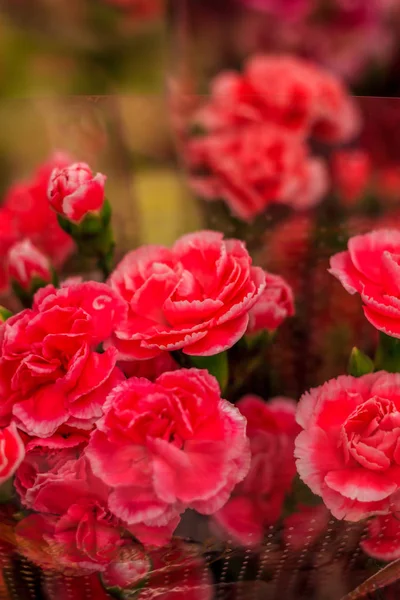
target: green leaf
299 495
217 365
4 314
359 363
66 225
388 354
258 340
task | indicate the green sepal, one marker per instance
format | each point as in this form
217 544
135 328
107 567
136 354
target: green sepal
26 296
216 365
359 363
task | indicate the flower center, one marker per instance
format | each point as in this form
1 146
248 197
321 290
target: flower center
371 434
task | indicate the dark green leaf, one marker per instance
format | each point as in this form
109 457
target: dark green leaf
217 365
388 354
4 314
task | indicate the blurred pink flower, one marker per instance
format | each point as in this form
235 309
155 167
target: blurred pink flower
370 267
250 146
283 91
254 167
27 265
25 214
351 174
257 501
275 304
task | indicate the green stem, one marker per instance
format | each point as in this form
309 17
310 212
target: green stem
105 264
387 355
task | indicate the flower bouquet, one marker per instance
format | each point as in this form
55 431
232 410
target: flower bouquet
218 418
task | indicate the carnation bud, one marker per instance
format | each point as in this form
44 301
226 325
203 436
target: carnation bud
74 192
29 269
77 195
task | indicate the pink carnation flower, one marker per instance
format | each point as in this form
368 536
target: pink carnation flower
252 149
50 372
254 167
74 191
195 297
25 214
257 501
371 268
351 170
275 304
281 91
348 452
166 446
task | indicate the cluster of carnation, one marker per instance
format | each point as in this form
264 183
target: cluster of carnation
348 451
25 214
100 454
250 141
109 439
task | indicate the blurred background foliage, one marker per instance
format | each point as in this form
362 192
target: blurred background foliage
90 77
87 76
